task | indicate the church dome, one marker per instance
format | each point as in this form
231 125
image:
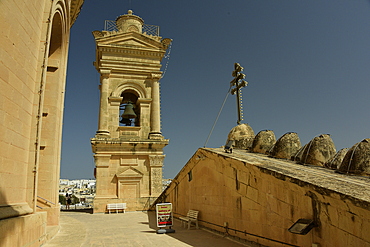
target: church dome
357 159
263 142
130 23
318 151
242 135
286 146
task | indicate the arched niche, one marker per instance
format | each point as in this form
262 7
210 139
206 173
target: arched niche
137 88
129 93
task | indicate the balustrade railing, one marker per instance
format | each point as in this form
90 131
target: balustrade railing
148 29
45 201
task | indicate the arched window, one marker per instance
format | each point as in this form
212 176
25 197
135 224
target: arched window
129 105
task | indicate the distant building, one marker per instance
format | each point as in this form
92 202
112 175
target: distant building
83 189
128 146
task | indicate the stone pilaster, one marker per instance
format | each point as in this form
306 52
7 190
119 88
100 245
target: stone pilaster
156 164
101 172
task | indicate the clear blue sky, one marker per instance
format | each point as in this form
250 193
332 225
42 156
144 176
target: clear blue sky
307 64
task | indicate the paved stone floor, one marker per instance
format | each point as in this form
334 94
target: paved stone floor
128 229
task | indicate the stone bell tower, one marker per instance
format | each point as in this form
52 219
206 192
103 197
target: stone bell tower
128 145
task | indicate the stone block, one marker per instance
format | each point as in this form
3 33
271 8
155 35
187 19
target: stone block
366 230
244 176
31 227
356 241
350 223
252 194
250 204
284 209
333 217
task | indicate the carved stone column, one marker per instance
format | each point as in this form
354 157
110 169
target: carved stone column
156 164
155 131
103 113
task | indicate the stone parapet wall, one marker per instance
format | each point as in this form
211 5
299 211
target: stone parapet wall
257 198
28 230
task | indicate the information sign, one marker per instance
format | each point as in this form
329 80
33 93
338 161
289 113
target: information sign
164 214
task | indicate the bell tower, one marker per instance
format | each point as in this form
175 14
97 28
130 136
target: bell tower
128 145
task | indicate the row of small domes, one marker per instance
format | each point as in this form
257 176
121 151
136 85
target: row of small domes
319 151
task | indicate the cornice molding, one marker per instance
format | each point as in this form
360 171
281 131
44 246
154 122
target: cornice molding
75 9
118 36
137 51
156 75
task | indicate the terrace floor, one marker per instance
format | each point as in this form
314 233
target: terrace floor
79 228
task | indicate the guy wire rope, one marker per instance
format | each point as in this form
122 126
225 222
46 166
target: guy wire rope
214 124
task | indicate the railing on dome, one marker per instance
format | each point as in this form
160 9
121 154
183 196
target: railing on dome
148 29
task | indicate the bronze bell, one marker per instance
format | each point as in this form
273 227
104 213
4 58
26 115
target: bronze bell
129 111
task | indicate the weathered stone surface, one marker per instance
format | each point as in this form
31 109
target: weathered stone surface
318 151
335 162
242 135
357 159
263 142
286 146
298 156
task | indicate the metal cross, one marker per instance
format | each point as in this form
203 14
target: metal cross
239 83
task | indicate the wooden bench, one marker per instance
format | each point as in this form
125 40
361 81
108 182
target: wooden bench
116 206
192 216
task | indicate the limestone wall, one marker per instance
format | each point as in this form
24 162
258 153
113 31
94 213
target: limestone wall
33 59
257 198
19 65
27 230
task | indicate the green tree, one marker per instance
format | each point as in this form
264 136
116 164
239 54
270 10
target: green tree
75 200
62 199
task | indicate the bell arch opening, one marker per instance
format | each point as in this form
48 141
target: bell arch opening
129 109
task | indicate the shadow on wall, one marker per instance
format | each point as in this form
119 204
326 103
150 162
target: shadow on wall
6 212
79 210
192 237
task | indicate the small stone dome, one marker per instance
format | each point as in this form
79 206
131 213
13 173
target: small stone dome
335 162
286 146
357 159
263 142
242 135
318 151
129 23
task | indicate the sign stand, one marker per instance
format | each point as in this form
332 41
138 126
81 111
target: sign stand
164 217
